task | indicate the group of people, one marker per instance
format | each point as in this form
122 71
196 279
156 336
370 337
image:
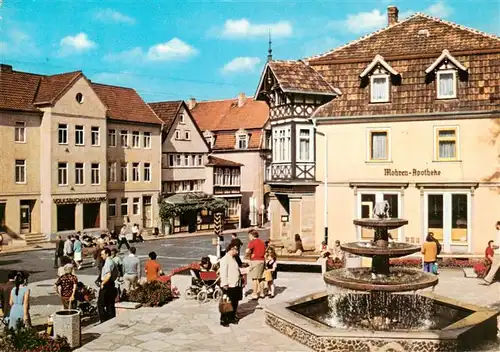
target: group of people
72 248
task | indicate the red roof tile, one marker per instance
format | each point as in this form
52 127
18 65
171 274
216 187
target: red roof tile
215 161
52 87
18 90
166 111
227 140
125 104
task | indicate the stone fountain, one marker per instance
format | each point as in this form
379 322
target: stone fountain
382 308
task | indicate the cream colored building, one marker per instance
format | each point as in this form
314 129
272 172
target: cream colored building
415 124
55 136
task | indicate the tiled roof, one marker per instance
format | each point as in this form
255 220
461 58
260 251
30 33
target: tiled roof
227 140
125 104
296 76
223 115
166 111
215 161
52 87
18 90
413 36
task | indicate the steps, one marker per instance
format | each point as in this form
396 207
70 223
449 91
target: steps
35 238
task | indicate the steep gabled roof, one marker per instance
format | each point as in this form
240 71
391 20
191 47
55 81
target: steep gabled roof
18 90
167 110
53 87
215 161
378 60
415 35
124 104
445 55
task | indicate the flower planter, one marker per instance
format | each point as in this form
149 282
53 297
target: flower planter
67 324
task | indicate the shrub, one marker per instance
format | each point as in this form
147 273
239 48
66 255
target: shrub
442 263
152 294
26 339
480 269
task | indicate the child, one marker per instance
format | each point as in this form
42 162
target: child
270 272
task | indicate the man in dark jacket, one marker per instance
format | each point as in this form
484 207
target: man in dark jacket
59 252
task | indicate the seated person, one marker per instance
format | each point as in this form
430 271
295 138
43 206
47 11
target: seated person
205 264
297 248
338 253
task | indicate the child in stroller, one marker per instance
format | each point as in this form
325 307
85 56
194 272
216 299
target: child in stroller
205 283
85 299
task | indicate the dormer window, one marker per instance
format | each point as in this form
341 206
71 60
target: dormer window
241 139
379 88
446 84
209 138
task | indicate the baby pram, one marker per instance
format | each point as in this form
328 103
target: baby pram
204 285
85 299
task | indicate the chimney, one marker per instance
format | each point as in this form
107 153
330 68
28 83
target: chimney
191 103
241 99
5 68
392 15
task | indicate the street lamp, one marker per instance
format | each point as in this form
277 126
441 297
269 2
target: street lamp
325 182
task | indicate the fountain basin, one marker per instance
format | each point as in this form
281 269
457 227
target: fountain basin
380 223
399 279
462 327
367 249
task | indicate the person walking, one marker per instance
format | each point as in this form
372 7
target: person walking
152 268
430 252
107 293
230 280
256 250
68 247
5 290
59 252
131 270
65 287
135 232
19 303
77 251
122 238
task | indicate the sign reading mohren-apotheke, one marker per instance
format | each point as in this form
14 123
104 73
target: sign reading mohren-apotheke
412 172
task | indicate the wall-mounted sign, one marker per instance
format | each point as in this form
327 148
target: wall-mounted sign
411 172
284 218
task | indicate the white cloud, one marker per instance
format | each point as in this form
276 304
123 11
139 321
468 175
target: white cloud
17 42
77 43
241 64
439 9
113 16
365 21
174 49
243 28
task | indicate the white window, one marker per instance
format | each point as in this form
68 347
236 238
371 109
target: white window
147 172
20 171
124 138
177 134
136 139
379 88
112 138
187 135
305 144
124 172
446 84
94 136
178 160
62 133
20 132
79 174
124 207
186 160
378 145
112 207
95 174
62 174
219 177
200 160
242 141
182 118
194 160
135 172
147 140
281 144
446 146
232 209
227 177
79 135
235 177
112 171
136 205
210 141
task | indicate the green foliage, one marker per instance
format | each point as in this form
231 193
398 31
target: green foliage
152 294
194 203
27 339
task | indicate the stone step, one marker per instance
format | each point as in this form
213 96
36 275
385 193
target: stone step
34 238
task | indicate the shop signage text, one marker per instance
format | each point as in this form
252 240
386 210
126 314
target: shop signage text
412 172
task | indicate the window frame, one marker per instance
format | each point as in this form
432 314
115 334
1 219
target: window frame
146 137
369 144
112 171
122 134
124 166
82 130
136 139
92 170
63 130
438 79
147 171
122 204
311 143
187 135
387 90
138 204
437 140
287 136
83 174
20 126
95 130
112 204
62 169
23 166
177 135
136 168
112 137
242 137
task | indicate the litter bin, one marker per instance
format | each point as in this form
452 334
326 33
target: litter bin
67 324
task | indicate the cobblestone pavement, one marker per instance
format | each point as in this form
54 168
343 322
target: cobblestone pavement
184 325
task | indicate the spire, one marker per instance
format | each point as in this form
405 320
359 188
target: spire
270 50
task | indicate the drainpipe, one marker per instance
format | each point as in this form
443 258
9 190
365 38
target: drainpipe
325 182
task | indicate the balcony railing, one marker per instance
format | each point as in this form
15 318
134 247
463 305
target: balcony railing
291 171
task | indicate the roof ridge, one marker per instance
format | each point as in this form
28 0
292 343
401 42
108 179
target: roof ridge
111 85
64 73
166 102
355 41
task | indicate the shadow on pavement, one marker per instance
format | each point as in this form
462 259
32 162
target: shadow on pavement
247 308
89 337
10 262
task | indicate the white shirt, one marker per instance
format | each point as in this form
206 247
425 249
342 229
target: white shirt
229 271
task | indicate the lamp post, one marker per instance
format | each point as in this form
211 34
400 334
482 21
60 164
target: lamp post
325 181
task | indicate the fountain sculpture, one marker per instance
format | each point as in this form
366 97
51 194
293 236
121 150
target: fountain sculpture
370 309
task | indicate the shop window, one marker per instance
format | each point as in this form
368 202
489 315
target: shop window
435 219
65 217
459 218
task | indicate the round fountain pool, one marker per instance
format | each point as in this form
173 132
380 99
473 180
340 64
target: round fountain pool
388 224
368 249
399 279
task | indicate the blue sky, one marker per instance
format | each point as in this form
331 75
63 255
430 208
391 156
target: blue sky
170 50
